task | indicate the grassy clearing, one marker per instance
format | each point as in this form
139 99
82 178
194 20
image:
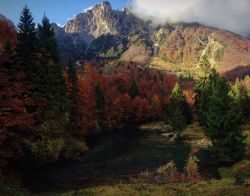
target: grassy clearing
119 163
213 187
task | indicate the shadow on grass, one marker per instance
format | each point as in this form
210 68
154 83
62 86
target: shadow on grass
119 153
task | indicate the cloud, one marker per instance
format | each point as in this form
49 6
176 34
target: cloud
232 15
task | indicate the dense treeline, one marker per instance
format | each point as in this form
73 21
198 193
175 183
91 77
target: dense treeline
46 110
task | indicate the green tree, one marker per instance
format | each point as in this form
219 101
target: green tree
205 65
73 93
49 139
177 115
47 41
134 90
221 118
100 97
239 94
27 42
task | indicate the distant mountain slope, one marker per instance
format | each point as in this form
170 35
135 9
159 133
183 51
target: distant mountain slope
102 32
7 31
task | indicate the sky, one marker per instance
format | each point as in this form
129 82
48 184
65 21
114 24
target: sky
58 11
232 15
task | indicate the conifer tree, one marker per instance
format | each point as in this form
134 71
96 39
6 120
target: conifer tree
100 97
73 93
239 94
221 117
177 115
51 93
27 42
134 90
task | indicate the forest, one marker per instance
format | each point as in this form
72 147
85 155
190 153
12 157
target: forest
52 112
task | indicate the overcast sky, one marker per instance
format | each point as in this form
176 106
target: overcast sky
232 15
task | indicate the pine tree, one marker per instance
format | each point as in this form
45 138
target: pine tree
177 115
49 140
100 97
205 65
134 90
73 93
220 117
27 42
239 94
47 41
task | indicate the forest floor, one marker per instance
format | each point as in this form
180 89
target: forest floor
118 159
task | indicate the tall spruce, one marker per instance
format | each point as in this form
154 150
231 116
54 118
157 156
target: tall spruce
73 94
134 90
27 42
221 118
178 115
51 92
100 97
238 93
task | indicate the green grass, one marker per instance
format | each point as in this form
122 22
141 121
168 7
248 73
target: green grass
116 158
213 187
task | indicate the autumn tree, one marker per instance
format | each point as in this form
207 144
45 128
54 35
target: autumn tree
156 107
16 116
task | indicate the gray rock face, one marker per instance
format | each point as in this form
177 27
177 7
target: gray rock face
102 20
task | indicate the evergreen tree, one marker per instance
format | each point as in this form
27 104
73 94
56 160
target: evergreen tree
51 93
134 90
220 117
205 65
177 111
27 42
239 94
100 97
47 41
73 93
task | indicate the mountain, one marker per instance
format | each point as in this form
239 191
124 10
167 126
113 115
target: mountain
104 33
7 31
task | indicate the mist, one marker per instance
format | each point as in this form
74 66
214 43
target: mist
231 15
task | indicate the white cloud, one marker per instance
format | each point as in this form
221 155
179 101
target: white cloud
232 15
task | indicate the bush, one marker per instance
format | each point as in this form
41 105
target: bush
191 169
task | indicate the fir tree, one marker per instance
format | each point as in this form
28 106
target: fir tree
100 97
51 93
134 90
220 117
177 115
239 94
27 42
73 93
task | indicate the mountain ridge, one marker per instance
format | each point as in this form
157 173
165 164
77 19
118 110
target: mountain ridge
119 34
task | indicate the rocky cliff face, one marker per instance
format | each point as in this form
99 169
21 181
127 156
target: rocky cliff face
102 32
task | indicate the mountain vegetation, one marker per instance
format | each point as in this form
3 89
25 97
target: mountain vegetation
115 115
